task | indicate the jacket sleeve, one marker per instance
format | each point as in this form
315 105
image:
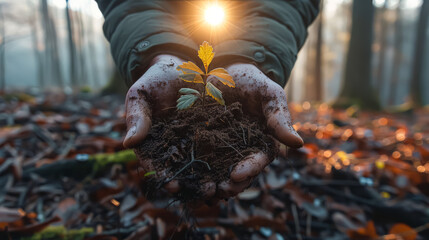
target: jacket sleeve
139 30
269 34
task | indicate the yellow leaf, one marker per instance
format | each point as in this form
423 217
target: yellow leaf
218 70
223 76
191 77
342 155
385 195
206 54
215 93
379 164
189 67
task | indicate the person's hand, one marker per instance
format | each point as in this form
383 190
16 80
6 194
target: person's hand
152 93
157 90
260 96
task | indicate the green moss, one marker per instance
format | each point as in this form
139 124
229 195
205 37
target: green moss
60 232
103 160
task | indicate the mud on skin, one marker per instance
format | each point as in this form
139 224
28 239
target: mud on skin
218 135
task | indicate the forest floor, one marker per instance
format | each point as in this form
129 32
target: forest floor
65 175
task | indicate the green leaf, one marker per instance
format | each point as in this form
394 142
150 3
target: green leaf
191 77
186 101
189 91
215 93
149 173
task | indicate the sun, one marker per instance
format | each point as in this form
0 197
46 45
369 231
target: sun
214 15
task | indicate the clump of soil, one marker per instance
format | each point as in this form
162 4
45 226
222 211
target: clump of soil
218 136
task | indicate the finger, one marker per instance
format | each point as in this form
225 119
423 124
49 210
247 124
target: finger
172 186
138 118
279 122
249 167
208 189
229 188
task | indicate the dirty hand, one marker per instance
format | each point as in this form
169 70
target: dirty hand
157 90
262 97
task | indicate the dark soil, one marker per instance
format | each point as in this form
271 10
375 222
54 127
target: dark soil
217 135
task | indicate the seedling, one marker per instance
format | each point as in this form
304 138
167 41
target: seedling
192 73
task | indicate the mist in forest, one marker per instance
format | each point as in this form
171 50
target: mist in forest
36 48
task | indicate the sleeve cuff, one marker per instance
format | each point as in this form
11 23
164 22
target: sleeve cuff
145 50
233 51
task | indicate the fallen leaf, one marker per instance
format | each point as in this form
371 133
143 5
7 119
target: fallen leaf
403 230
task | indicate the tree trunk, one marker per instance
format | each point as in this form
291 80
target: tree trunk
417 74
397 57
289 88
382 50
318 77
2 52
92 53
38 57
52 59
72 48
357 89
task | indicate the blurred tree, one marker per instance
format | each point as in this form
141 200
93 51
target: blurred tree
318 74
420 45
38 55
313 64
116 85
2 51
397 55
52 58
72 48
289 88
81 43
357 89
92 53
382 49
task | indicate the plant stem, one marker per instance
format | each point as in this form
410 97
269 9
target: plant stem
193 160
204 89
229 145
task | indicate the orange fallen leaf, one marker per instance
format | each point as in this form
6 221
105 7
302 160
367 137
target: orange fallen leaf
405 231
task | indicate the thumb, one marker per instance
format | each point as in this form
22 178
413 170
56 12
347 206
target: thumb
279 122
138 119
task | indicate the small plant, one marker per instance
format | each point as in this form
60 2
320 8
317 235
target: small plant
192 73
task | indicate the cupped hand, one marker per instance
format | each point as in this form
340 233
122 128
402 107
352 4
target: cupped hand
157 90
260 96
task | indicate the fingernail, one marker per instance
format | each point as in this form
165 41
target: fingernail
131 132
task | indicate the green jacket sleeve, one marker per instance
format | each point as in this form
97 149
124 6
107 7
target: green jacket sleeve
140 30
270 34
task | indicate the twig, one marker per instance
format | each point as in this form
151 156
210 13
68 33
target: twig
178 223
68 146
38 156
238 135
244 135
295 218
266 145
187 165
230 145
342 183
45 136
308 225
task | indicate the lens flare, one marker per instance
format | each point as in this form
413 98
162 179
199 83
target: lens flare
214 15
